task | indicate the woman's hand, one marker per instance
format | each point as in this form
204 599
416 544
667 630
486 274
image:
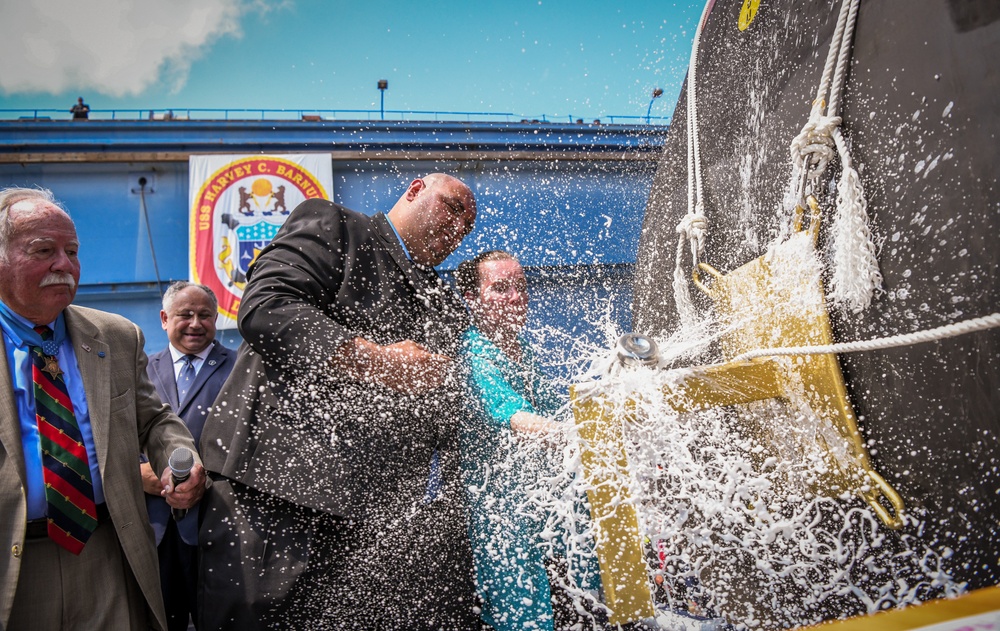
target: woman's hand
528 423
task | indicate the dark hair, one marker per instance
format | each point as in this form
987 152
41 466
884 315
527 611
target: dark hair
467 274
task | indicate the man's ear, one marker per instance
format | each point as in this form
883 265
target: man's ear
163 319
416 186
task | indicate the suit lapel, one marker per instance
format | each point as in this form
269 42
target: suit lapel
10 424
94 361
163 371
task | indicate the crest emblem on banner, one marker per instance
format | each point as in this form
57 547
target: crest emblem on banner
239 206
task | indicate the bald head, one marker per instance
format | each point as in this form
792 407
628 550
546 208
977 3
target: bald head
432 217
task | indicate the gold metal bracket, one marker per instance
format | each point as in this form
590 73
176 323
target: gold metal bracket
770 302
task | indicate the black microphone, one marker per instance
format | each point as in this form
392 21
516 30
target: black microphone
180 463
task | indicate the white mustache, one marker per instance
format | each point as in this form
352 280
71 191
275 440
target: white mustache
57 278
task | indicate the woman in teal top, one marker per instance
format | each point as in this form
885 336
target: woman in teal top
508 397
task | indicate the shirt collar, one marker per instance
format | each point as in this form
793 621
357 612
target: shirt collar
177 355
21 331
406 251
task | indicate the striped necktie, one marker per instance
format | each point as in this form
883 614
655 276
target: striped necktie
69 489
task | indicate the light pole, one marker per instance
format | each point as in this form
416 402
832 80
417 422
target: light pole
383 85
657 93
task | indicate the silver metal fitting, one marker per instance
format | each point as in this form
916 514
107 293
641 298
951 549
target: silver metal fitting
636 349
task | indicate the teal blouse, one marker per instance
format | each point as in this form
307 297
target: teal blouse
498 472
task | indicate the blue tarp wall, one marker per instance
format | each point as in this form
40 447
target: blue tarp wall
566 199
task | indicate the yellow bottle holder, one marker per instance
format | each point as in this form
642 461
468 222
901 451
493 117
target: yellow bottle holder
774 301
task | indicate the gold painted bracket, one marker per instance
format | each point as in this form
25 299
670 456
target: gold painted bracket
771 302
777 301
624 577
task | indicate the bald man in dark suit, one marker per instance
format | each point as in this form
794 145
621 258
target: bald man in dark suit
321 442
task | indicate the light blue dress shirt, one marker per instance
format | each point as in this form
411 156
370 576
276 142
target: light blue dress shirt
196 363
19 362
406 250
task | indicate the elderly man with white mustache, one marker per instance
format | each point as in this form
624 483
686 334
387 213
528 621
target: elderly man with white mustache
76 409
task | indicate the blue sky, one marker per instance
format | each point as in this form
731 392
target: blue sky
555 58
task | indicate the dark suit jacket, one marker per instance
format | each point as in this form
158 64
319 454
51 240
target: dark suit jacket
216 368
288 426
127 417
283 423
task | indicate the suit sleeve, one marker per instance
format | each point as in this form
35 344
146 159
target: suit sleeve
295 280
160 430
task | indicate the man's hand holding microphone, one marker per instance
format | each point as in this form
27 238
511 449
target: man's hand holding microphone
183 481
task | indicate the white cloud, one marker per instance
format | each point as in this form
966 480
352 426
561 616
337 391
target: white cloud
118 47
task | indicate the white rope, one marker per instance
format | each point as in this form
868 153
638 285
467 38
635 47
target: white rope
907 339
843 54
693 226
691 229
816 136
814 148
855 277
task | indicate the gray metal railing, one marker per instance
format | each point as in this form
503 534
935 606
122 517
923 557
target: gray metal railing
312 115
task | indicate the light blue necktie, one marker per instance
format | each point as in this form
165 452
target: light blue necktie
433 479
186 378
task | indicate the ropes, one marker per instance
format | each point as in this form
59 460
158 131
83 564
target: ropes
907 339
693 226
855 276
813 148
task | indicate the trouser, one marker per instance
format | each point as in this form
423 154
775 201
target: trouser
178 577
95 590
267 563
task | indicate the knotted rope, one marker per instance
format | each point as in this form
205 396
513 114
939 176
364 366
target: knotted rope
693 227
855 275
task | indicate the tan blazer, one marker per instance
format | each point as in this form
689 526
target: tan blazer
127 417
